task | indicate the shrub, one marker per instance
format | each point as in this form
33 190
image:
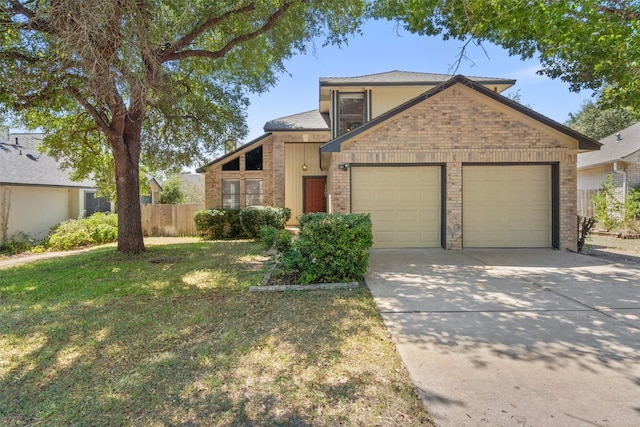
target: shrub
308 217
331 248
283 241
268 236
606 206
632 205
215 224
253 218
210 223
585 227
97 229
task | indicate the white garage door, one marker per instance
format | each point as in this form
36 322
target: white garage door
404 202
506 206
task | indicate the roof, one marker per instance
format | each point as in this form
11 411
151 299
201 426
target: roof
404 78
309 120
613 148
585 143
25 165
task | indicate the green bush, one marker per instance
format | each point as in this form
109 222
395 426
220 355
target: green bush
268 236
331 248
304 219
97 229
253 218
210 223
216 224
283 241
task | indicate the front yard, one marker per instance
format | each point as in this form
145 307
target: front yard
174 337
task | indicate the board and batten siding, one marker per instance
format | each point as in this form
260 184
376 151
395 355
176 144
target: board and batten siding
295 155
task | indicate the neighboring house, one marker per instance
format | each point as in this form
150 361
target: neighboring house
35 194
155 192
438 161
619 157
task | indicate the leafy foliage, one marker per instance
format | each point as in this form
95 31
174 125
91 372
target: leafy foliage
172 191
215 224
256 217
96 229
272 237
598 122
590 44
114 83
606 205
331 248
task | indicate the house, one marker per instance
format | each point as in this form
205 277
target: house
438 161
619 157
35 193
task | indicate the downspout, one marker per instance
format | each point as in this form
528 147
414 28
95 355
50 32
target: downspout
624 181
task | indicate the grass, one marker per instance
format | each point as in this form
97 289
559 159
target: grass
174 337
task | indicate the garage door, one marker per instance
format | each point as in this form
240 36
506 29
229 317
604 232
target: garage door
506 206
404 202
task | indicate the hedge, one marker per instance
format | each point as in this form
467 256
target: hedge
331 248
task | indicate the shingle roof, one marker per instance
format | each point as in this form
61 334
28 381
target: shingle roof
404 77
24 165
613 149
309 120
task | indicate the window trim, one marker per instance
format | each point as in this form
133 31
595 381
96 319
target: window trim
260 194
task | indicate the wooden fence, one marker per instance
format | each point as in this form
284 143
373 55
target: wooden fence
585 205
169 220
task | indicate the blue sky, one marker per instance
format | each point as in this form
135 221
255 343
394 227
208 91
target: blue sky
384 47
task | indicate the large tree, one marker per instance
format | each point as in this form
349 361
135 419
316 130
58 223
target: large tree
588 43
598 122
111 81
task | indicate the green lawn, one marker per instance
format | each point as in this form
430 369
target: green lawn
174 337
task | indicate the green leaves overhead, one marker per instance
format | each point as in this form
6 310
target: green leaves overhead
590 44
162 80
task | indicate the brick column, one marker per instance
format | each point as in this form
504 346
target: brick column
453 206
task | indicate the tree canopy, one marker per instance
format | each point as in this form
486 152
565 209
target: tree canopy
598 122
591 44
114 81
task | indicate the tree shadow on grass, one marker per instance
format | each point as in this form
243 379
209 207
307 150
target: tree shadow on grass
184 343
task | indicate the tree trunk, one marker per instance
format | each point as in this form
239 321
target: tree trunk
126 154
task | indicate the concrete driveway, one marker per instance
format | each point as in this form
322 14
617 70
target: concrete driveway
514 337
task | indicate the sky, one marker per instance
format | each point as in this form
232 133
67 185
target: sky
385 47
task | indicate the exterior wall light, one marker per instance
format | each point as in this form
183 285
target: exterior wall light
305 167
343 166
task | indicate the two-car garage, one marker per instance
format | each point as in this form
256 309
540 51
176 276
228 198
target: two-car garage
503 205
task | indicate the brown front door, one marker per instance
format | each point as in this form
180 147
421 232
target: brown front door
314 194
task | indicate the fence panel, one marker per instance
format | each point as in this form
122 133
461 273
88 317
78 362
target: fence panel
169 220
585 205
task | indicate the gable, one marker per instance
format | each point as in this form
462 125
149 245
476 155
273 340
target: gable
465 105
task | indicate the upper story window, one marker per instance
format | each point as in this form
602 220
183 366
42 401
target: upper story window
232 165
253 160
351 111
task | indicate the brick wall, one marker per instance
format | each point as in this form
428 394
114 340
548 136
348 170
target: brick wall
454 127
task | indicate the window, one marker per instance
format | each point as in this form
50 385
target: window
253 160
350 111
232 165
253 192
230 194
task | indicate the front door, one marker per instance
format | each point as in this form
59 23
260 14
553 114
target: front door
313 196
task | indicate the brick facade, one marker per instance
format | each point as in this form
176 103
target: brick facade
454 127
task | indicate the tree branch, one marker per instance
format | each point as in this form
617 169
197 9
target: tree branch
271 21
188 38
100 120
